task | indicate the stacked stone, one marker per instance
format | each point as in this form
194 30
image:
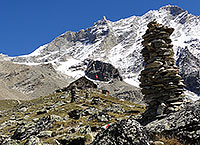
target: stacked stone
161 84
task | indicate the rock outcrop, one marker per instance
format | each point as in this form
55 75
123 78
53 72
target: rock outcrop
98 70
188 69
27 129
33 140
125 132
184 124
161 84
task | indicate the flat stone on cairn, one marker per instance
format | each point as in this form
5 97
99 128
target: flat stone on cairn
161 84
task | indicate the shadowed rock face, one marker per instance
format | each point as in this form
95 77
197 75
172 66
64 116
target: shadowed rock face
161 84
102 71
188 69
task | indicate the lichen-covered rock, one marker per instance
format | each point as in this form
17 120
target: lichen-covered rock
125 132
100 117
184 124
33 140
45 134
72 140
6 140
27 129
85 129
115 109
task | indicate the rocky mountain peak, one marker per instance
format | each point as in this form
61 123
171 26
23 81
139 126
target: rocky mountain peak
103 21
174 10
119 43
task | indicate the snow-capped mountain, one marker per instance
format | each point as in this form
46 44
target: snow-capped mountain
119 43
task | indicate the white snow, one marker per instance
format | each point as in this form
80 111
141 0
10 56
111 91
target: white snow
125 55
64 67
38 51
133 82
191 95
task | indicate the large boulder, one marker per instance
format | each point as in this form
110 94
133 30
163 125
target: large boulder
184 124
6 140
98 70
125 132
72 140
33 140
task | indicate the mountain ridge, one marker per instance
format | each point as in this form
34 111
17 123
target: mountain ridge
118 43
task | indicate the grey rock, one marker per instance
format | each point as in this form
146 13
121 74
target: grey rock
6 140
45 134
125 132
23 82
89 111
96 101
184 124
157 143
43 111
102 71
188 65
23 109
72 140
85 129
123 90
114 109
27 129
33 140
100 116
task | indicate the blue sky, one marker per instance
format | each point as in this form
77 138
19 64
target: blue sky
27 24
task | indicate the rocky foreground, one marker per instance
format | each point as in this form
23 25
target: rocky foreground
55 119
99 119
180 128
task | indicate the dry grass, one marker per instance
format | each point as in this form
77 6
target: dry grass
169 140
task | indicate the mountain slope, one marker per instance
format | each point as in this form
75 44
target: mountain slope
119 43
23 82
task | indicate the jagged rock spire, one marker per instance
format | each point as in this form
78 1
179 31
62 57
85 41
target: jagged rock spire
161 84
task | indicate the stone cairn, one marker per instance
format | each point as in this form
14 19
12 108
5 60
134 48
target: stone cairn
73 93
161 84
